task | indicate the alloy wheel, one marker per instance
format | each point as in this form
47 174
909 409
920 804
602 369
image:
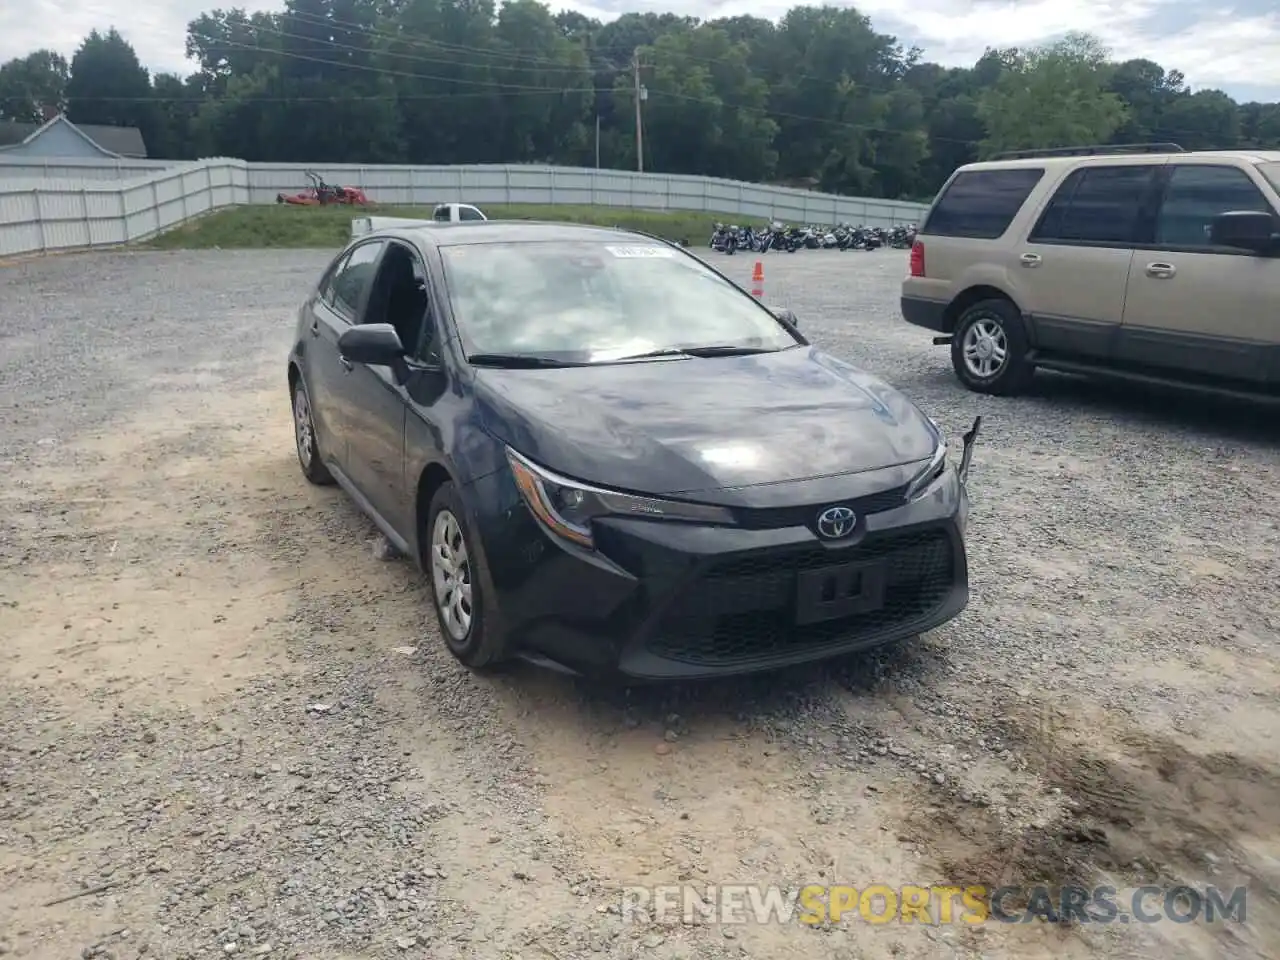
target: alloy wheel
985 348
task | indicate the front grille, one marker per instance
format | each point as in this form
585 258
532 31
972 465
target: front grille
775 518
745 610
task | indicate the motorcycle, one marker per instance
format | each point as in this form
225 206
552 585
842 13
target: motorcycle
724 239
902 237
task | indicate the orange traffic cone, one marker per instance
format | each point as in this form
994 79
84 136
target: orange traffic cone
757 281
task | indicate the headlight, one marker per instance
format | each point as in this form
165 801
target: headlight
925 478
567 507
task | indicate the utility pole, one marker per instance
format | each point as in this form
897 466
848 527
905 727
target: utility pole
641 94
597 141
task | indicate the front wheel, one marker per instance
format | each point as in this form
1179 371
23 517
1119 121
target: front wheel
304 434
989 349
454 563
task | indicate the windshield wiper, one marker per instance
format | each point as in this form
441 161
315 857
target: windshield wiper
519 361
714 350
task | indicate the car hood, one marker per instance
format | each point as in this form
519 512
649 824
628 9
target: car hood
700 425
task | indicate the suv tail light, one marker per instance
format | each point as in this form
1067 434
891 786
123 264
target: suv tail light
917 259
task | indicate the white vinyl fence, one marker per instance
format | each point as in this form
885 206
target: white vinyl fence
43 216
27 169
71 204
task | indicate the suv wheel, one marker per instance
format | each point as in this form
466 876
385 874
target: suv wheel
989 349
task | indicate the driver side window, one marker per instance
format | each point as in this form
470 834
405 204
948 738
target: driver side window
1196 194
352 279
401 297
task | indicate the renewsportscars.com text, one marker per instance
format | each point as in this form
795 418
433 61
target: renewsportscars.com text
935 904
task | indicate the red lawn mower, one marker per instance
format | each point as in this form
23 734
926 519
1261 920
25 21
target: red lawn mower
321 194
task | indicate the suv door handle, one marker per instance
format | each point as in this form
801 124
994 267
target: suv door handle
1030 260
1161 271
315 328
346 364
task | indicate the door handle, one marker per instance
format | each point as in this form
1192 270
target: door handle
1030 260
1161 271
315 328
346 364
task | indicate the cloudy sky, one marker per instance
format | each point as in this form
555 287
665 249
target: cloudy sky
1233 45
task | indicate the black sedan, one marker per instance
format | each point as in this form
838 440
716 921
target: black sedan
610 459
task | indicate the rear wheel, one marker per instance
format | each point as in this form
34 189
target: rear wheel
454 563
989 349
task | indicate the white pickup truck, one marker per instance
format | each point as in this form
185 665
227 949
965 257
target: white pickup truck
443 213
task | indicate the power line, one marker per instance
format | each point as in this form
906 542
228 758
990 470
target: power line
378 52
349 26
383 71
766 111
489 87
417 41
197 100
501 87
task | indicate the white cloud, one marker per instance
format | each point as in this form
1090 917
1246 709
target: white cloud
1221 50
1233 45
157 29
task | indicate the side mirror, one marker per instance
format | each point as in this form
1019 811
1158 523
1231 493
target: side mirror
1245 229
373 344
787 317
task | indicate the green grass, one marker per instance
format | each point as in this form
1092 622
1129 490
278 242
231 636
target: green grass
284 226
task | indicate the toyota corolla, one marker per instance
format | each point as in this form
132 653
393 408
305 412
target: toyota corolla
608 458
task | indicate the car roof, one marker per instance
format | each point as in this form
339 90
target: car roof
434 233
1110 159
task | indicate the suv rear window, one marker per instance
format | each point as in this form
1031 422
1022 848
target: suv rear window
1096 205
982 203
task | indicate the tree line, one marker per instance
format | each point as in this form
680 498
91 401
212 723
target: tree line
818 99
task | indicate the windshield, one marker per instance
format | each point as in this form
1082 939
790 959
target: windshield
593 302
1272 172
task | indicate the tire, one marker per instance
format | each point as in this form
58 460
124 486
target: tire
304 435
454 564
983 331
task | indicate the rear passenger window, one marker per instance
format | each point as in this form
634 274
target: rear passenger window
1195 195
1096 205
982 203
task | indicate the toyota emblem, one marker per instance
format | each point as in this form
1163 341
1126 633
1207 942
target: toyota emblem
836 522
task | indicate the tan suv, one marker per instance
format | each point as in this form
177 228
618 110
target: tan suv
1144 261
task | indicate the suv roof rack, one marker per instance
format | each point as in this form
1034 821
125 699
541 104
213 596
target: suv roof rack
1096 150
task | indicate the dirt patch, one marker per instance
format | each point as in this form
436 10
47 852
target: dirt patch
1114 805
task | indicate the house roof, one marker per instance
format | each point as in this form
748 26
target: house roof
118 141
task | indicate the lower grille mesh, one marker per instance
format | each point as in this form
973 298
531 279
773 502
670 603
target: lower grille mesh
744 610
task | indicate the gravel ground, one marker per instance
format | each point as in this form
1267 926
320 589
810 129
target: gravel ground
231 729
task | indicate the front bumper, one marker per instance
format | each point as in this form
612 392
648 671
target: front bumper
669 600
